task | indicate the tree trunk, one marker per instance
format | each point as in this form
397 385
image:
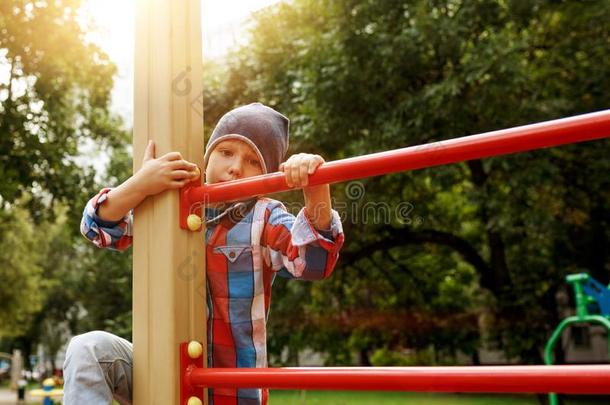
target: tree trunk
476 360
500 281
365 360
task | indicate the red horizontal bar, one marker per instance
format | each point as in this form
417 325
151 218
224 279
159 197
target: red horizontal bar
520 139
570 379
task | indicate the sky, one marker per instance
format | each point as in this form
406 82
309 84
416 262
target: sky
113 31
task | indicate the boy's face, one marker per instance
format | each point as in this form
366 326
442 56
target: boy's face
231 160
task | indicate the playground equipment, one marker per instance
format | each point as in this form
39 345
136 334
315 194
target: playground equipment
565 379
520 139
580 128
592 307
502 379
168 305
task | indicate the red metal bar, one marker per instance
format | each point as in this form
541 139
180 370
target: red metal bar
187 388
520 139
503 379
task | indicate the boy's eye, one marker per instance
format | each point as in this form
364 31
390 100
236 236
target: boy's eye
225 152
254 162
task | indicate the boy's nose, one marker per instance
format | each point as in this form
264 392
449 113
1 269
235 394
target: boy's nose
235 168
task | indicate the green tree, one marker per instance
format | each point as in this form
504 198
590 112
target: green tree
495 237
20 271
55 93
55 97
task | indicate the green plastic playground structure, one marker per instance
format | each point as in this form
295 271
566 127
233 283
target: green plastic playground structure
592 306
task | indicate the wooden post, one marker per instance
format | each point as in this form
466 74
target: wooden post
168 263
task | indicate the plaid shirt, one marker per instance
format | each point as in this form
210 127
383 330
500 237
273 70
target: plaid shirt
243 259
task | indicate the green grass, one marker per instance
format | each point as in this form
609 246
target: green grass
288 397
392 398
281 397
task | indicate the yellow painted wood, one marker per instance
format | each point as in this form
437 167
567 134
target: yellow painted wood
168 263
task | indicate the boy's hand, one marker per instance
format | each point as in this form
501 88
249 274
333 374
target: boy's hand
317 198
170 171
298 168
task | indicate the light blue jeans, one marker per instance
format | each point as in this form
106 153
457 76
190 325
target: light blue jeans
98 368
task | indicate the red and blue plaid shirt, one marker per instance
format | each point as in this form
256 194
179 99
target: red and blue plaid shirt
243 259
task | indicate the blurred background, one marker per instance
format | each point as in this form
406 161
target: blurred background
463 264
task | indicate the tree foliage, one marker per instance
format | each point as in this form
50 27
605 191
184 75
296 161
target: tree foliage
437 262
20 271
55 98
485 246
55 93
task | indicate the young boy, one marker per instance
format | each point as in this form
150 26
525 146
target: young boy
248 244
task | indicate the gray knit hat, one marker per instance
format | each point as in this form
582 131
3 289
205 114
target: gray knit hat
261 127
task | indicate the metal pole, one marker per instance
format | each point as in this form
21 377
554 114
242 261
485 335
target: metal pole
519 139
570 379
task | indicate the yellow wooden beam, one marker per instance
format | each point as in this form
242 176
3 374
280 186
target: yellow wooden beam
168 263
